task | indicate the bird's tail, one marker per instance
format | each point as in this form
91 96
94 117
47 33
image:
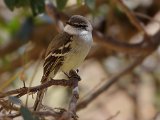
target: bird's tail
45 78
39 98
40 95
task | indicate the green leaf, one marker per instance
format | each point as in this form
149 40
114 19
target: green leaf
90 4
61 4
10 4
26 114
22 3
37 6
15 100
13 25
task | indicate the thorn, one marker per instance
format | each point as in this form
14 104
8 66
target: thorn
24 84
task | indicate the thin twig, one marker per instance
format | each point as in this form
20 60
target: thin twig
4 104
113 116
37 113
25 90
65 115
53 13
116 45
10 116
132 18
142 15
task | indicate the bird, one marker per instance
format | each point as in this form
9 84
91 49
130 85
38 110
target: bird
66 51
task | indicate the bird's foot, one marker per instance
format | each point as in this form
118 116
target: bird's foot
73 75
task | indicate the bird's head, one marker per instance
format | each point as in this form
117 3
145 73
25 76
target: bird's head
78 25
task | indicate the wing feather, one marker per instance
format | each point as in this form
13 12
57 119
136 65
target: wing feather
58 48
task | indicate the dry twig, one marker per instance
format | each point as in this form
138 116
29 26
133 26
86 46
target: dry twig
108 84
132 18
25 90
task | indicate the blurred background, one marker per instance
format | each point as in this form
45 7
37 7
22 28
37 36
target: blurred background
125 50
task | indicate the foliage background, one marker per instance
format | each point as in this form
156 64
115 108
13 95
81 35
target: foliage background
26 30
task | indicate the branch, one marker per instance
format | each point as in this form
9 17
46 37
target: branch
25 90
107 85
65 115
142 15
131 17
114 44
46 113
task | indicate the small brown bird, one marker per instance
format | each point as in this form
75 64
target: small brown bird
66 51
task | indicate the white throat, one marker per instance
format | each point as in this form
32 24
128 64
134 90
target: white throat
75 31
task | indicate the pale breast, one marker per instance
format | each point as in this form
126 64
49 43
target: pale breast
80 48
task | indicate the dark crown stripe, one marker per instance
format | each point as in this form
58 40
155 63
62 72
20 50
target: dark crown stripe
77 25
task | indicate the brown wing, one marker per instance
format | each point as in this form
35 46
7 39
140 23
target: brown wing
56 51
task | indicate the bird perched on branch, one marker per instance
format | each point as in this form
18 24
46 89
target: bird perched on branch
66 51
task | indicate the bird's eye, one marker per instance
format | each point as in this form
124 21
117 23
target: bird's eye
77 25
83 26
